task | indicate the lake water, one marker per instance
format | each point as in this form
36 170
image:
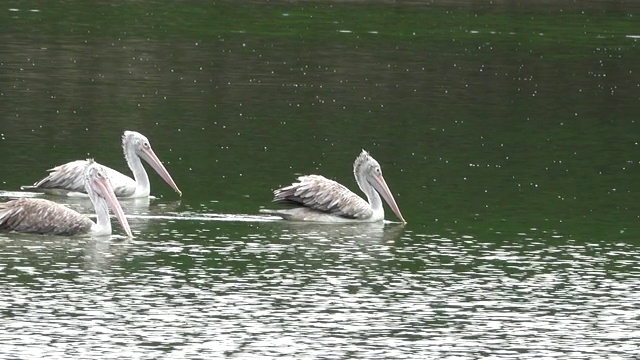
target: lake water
508 133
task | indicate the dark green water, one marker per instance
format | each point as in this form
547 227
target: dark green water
508 133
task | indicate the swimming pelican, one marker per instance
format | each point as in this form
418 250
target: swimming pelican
40 216
317 198
67 179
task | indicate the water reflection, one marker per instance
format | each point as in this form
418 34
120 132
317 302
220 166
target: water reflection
33 256
335 233
313 246
271 289
106 256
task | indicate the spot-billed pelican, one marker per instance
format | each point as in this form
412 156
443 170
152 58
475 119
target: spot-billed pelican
316 198
41 216
67 179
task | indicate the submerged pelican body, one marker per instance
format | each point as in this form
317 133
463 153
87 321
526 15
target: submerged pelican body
40 216
316 198
67 179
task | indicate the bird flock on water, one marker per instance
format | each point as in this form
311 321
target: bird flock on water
312 198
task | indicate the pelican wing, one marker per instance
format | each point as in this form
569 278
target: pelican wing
40 216
65 177
321 194
69 178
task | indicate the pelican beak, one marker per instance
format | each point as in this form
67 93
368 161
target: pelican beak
381 186
103 187
150 157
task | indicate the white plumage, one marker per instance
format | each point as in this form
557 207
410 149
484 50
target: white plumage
67 179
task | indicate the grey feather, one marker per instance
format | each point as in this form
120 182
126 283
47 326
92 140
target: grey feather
68 178
40 216
321 194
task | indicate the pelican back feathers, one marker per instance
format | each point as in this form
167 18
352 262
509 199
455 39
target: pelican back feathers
321 194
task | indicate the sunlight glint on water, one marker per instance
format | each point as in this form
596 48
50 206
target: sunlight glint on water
313 291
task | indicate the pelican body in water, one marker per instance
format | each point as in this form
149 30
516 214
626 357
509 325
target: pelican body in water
67 179
41 216
316 198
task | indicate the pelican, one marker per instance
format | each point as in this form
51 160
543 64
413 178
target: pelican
319 199
67 179
41 216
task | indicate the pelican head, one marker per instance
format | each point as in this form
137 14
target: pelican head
101 192
139 144
368 174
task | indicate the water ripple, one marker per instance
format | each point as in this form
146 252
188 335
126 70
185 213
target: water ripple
298 290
